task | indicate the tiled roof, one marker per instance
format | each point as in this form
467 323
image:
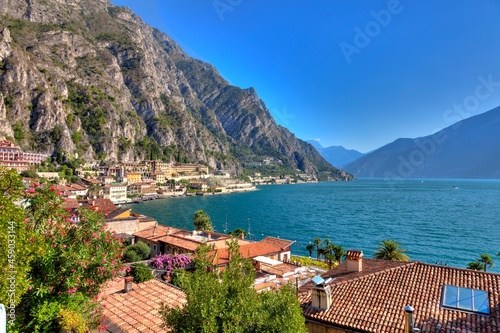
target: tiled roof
373 300
281 243
138 310
102 205
70 203
77 187
280 270
183 243
92 181
154 233
251 250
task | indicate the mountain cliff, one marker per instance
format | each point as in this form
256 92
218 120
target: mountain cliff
86 78
336 155
468 149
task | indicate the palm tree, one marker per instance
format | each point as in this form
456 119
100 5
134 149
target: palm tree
338 253
310 248
321 252
486 260
238 232
317 242
390 250
475 265
201 221
331 258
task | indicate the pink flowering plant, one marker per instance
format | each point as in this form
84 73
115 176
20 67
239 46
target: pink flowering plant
169 263
71 263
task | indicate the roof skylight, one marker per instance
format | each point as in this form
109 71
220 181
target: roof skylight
466 299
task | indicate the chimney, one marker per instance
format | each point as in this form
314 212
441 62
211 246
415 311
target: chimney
128 284
321 294
354 260
410 321
168 231
209 235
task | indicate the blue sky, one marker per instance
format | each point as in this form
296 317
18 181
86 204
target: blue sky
354 73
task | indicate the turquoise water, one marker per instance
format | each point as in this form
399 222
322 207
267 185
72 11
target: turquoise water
445 221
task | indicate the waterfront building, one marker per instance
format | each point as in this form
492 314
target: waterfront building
12 157
189 169
116 192
133 177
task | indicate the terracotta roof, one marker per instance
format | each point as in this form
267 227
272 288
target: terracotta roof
281 243
77 187
154 233
70 203
103 205
373 300
64 188
138 310
251 250
280 270
183 243
91 181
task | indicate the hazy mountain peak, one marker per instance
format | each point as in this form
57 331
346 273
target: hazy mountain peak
469 148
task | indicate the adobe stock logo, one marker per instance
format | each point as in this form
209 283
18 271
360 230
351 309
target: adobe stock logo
429 146
223 6
372 29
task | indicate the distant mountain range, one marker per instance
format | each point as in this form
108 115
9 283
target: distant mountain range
336 155
468 149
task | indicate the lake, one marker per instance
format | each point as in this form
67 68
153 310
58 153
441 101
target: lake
438 221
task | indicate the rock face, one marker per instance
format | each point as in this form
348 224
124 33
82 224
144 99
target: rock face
468 149
86 78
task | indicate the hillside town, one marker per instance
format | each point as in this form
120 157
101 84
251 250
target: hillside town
145 180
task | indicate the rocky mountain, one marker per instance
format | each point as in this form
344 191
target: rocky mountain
336 155
86 78
468 149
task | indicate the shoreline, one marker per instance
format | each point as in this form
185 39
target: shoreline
187 195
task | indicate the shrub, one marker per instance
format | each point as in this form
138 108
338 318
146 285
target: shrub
140 273
142 249
131 255
137 252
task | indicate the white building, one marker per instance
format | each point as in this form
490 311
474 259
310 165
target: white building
117 193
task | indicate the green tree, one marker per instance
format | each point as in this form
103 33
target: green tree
475 265
317 242
16 248
137 252
338 253
141 273
18 130
310 248
67 266
238 232
29 173
202 221
486 260
390 250
226 301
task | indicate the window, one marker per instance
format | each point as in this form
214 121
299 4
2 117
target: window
466 299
